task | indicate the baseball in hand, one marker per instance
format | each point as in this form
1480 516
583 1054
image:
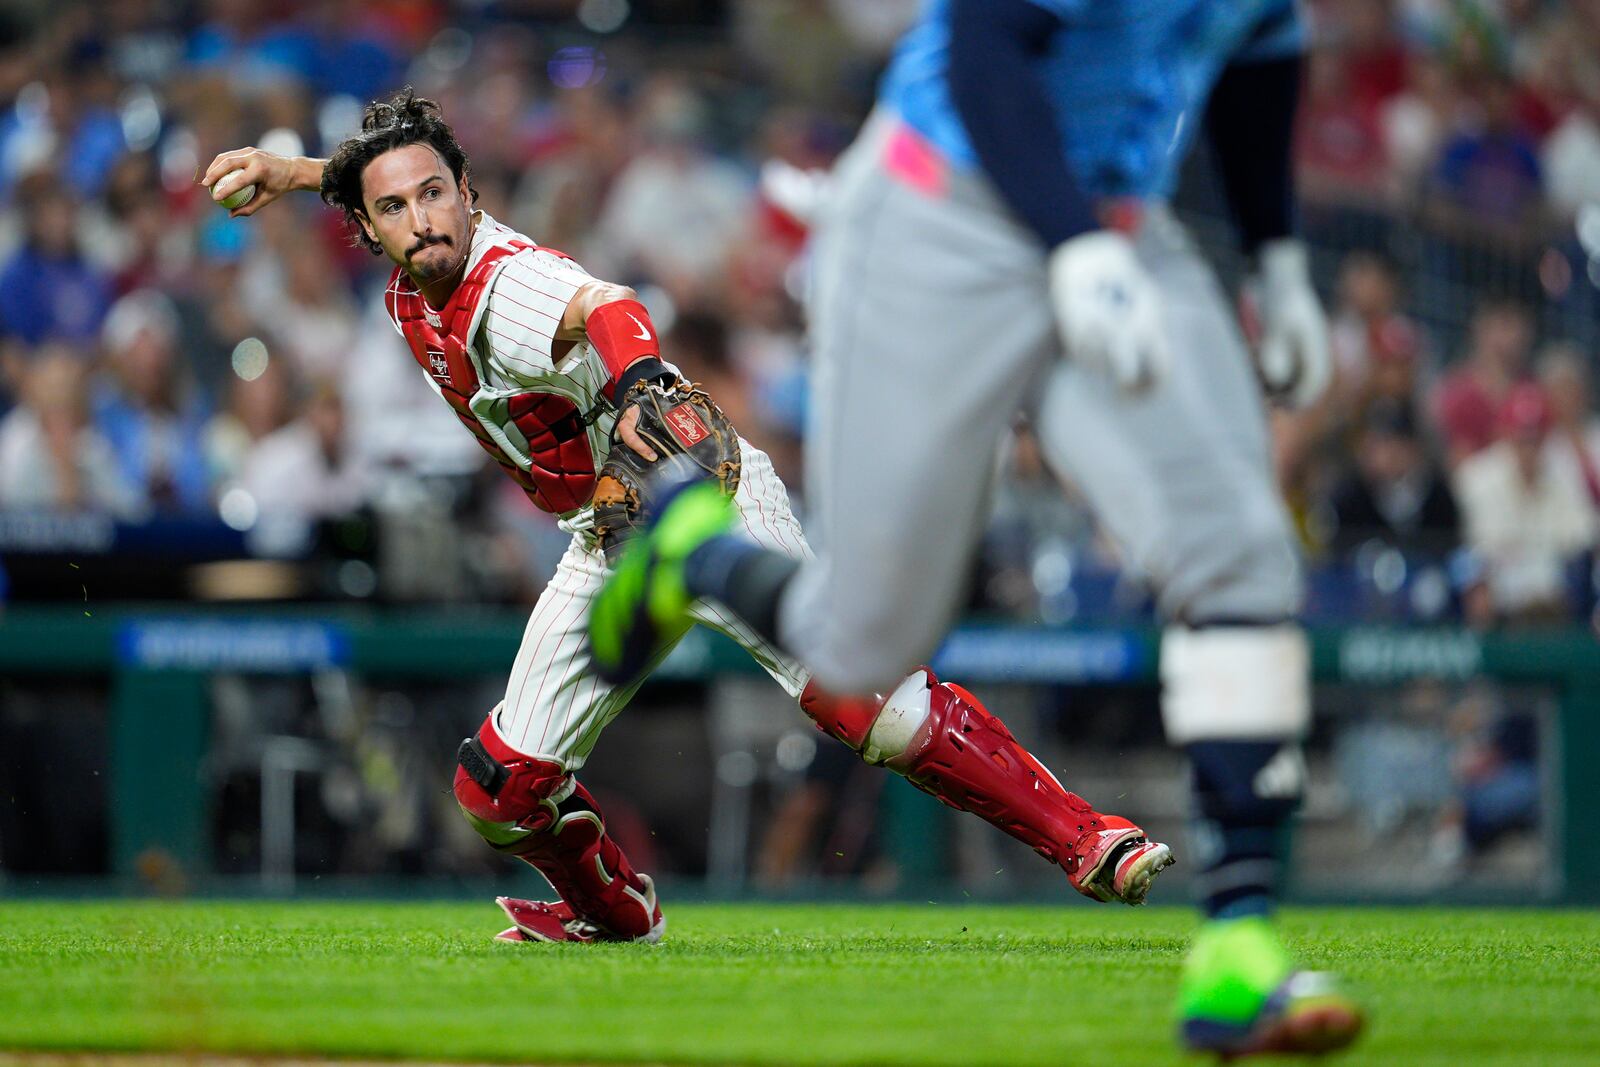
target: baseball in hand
239 197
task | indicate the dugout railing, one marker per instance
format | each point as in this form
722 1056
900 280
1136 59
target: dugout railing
158 663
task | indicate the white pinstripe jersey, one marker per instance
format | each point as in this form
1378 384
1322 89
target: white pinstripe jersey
489 352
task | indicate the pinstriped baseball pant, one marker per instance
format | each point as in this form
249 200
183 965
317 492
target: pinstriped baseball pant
555 707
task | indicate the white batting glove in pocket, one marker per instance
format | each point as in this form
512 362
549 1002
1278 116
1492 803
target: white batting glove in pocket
1292 356
1108 310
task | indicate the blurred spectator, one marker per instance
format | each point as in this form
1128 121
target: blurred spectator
68 115
358 46
213 309
307 471
876 27
256 408
1495 764
1571 157
252 43
50 457
1559 60
148 408
802 49
1488 177
1376 348
1039 533
559 200
1417 120
48 291
301 300
826 826
1363 32
1497 767
1575 432
1397 760
1396 494
137 239
1526 519
1340 152
395 419
1468 401
676 209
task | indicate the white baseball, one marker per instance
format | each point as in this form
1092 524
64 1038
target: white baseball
239 197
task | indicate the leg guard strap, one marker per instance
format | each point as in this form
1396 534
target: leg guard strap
504 793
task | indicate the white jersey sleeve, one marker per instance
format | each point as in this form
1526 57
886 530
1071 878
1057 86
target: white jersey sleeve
525 304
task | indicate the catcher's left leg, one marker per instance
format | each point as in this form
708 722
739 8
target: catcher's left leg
946 743
516 783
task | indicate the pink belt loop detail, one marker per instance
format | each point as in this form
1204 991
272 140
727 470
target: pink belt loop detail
1124 214
915 162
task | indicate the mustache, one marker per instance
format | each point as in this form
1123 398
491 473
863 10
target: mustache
420 245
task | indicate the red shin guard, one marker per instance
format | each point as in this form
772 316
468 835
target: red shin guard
585 866
534 810
966 758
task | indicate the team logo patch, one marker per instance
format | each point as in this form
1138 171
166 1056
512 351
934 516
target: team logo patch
436 360
685 424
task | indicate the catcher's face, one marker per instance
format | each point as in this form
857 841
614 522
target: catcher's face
417 211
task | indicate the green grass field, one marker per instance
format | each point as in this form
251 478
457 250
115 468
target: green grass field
759 984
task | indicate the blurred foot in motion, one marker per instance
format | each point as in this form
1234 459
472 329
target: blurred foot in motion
1242 996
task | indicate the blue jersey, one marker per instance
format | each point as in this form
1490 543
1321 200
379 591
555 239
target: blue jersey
1128 81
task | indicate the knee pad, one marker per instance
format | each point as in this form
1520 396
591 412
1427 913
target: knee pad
878 728
1235 683
505 794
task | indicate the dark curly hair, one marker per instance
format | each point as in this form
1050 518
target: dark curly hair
405 118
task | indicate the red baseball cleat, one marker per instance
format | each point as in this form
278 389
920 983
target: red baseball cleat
538 920
1116 863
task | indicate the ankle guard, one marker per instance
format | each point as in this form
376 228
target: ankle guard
948 745
585 866
533 809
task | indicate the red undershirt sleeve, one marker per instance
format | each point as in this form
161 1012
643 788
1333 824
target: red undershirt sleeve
625 339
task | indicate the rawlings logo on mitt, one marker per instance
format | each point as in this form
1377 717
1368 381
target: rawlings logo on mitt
676 419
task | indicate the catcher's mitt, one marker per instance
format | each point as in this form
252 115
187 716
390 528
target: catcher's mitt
675 419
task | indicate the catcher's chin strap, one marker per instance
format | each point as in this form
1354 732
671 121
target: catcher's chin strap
948 745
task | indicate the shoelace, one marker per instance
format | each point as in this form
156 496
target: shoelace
581 928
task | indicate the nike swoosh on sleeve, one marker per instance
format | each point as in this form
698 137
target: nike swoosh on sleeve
644 331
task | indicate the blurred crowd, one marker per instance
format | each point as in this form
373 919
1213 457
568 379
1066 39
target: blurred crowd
159 360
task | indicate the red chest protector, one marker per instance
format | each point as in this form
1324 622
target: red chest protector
560 476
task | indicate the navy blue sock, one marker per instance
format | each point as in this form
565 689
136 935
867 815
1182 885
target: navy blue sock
745 577
1245 794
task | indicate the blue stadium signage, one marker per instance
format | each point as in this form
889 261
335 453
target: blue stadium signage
225 645
1015 654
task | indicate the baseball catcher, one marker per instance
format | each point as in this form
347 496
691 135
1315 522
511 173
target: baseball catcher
560 378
